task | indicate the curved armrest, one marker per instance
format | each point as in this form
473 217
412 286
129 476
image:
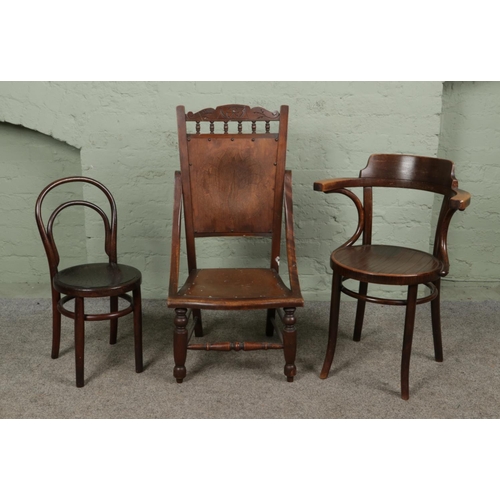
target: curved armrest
461 200
329 185
290 241
338 186
176 237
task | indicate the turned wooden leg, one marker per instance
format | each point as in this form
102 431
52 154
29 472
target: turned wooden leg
113 307
271 314
180 344
136 294
198 329
56 325
407 340
334 325
290 343
79 340
360 312
436 323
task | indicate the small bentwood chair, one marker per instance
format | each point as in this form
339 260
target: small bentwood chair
94 280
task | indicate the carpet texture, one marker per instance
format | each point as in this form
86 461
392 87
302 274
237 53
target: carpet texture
364 381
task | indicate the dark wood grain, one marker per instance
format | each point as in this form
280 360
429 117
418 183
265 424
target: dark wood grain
102 279
233 184
392 265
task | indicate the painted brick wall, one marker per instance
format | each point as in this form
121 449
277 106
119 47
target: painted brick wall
126 133
28 162
470 136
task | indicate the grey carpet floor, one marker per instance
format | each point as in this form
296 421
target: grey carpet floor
363 384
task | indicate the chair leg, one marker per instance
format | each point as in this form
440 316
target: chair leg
198 329
180 344
136 294
113 307
411 307
436 323
290 343
334 325
79 340
271 314
360 312
56 325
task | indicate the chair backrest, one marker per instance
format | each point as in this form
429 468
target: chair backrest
232 181
46 231
413 172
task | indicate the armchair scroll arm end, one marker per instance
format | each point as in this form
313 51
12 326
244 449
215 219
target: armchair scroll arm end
461 200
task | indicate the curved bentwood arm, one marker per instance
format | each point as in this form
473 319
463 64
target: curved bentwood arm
290 240
338 186
455 199
46 232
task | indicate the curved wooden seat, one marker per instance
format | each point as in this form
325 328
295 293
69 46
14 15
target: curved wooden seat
393 265
103 280
90 280
235 288
386 264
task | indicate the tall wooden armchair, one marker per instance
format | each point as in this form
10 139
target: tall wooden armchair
233 183
393 265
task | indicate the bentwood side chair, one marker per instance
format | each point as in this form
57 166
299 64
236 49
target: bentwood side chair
94 280
233 184
393 265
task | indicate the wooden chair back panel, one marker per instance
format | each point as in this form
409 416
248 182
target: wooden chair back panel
232 181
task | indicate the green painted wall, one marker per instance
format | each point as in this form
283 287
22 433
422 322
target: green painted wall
126 134
470 136
28 162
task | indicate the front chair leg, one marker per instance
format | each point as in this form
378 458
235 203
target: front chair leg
436 323
79 339
180 344
411 307
334 325
113 333
136 295
56 325
290 343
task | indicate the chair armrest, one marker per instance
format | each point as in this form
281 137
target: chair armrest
461 200
338 186
290 239
329 185
176 237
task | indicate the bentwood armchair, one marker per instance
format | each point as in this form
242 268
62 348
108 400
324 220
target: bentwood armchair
393 265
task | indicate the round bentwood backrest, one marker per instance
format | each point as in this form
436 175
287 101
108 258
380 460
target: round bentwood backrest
46 231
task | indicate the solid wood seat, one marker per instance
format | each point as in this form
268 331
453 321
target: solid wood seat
386 263
393 265
233 288
96 280
105 278
233 183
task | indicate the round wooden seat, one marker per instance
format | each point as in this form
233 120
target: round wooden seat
386 264
99 279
